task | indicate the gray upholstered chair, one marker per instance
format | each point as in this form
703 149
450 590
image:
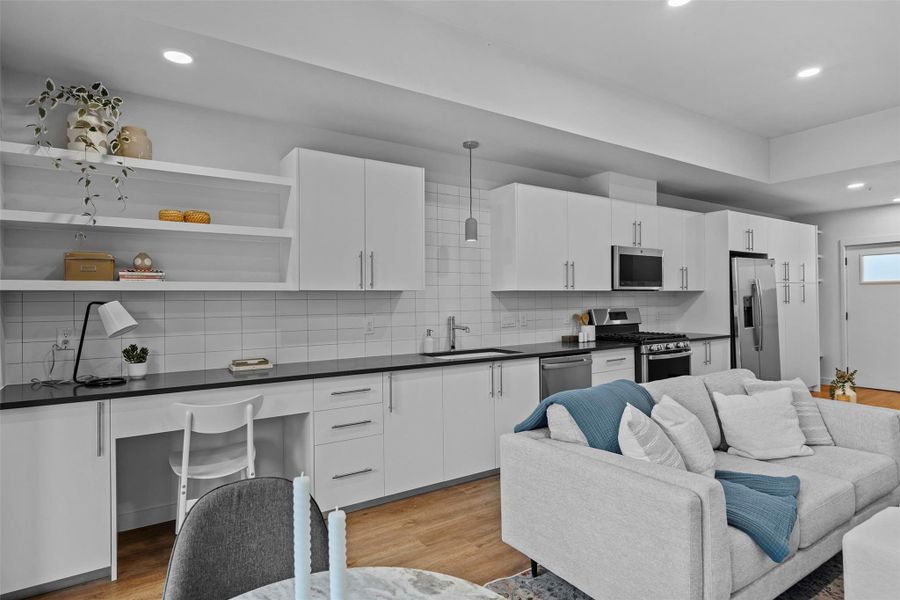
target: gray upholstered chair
239 537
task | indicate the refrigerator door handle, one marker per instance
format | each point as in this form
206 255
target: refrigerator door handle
757 314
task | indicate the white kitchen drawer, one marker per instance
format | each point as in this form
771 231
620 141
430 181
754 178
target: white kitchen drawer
341 392
607 376
348 423
349 472
612 360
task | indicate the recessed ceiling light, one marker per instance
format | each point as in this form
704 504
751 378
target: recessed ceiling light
809 72
896 199
856 186
677 3
178 57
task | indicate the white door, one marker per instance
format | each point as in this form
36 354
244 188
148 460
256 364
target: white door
468 420
719 355
516 394
873 315
590 245
624 223
55 493
700 358
541 229
332 221
395 226
671 242
647 216
413 430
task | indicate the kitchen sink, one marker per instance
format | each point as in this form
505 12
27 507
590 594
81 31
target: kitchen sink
470 354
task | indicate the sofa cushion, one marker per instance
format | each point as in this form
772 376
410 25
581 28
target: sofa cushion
687 433
823 504
563 427
690 393
748 561
641 438
730 382
872 475
762 426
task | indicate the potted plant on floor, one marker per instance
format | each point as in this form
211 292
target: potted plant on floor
843 386
136 359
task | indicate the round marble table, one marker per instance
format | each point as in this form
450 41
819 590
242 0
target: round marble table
380 583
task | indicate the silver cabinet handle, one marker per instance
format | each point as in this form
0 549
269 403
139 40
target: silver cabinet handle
390 377
351 474
786 271
500 387
753 239
356 391
620 359
361 270
687 278
803 294
634 233
372 269
573 274
343 425
748 239
99 429
492 380
802 271
673 355
682 277
640 233
566 268
709 353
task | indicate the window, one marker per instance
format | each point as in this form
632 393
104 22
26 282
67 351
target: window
880 268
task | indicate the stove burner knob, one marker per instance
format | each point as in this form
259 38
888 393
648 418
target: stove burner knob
655 347
670 346
680 345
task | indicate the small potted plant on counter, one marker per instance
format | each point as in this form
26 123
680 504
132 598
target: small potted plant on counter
136 359
843 386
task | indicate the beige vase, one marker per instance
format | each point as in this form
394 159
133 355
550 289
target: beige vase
138 144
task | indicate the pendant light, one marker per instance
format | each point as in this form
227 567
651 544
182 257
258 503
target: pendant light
471 223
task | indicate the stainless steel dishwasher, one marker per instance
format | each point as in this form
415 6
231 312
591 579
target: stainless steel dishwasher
565 373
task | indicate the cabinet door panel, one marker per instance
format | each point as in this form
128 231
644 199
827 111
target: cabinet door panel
695 251
671 241
699 358
720 355
55 493
468 420
647 216
332 221
590 244
517 394
541 224
413 430
624 223
395 226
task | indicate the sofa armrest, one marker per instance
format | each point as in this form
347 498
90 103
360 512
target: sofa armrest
612 526
861 427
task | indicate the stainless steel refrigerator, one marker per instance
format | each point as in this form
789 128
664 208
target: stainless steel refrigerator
755 317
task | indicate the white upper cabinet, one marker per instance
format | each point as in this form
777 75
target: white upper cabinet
546 239
681 238
635 224
395 226
362 224
793 247
748 233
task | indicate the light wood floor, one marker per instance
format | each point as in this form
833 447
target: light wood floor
454 531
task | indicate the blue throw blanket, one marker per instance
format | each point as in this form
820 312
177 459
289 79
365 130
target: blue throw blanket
763 507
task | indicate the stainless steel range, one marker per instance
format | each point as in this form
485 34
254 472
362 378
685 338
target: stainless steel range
657 355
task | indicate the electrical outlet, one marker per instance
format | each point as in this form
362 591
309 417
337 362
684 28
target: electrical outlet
523 320
508 321
64 337
370 326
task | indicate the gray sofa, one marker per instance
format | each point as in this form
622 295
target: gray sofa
619 528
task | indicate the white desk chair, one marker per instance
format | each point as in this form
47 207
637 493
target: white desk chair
218 462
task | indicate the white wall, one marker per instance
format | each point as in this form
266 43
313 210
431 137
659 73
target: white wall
843 226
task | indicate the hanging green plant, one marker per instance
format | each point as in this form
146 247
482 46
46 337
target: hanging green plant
94 126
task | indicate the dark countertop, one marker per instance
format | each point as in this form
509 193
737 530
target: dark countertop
698 337
27 395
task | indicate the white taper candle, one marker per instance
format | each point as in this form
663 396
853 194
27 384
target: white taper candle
337 554
302 537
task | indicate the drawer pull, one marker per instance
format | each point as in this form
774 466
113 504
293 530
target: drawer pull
361 472
620 359
359 391
342 425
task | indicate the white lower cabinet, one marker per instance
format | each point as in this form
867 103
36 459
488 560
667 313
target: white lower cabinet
55 493
468 422
516 394
349 472
710 356
413 430
798 331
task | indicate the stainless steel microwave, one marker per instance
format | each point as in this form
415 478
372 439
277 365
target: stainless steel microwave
636 268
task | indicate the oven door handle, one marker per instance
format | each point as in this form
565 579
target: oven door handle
670 355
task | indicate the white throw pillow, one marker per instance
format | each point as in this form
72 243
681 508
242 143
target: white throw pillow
688 434
641 438
811 422
762 426
563 427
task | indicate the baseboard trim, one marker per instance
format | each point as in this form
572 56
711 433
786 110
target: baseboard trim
145 516
422 490
52 586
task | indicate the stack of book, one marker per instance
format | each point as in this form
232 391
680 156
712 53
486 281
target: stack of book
134 275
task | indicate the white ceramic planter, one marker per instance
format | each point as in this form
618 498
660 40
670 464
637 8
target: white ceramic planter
136 370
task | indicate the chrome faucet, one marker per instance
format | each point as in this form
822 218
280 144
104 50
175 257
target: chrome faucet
452 327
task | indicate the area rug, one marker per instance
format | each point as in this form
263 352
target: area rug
825 583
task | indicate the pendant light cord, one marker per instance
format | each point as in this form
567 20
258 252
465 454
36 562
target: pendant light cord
470 183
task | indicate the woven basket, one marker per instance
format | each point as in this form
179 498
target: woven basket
196 216
169 214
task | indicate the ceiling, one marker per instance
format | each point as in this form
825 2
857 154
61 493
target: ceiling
733 61
231 74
